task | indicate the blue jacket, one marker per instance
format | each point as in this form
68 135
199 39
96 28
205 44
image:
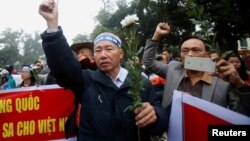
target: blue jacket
102 116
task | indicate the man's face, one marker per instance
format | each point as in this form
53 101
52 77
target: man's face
107 56
193 48
165 57
39 66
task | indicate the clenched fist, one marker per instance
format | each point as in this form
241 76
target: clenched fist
161 30
48 10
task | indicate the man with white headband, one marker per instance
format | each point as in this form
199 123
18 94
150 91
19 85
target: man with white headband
103 93
107 36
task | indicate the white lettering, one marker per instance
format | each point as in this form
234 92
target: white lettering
216 132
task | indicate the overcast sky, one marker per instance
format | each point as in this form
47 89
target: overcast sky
75 16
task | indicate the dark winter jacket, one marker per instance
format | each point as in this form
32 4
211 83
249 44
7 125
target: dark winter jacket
103 103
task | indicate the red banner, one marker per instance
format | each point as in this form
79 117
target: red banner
191 117
34 113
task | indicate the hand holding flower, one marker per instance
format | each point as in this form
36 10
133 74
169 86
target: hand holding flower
145 115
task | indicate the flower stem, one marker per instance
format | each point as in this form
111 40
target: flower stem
138 132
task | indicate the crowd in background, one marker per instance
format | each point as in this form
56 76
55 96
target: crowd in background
38 73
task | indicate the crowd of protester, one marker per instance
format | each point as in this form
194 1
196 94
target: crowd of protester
94 70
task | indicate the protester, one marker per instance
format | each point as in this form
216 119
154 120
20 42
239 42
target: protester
6 80
158 84
238 63
38 65
42 73
85 54
215 88
11 80
166 56
214 55
103 93
157 81
28 78
10 69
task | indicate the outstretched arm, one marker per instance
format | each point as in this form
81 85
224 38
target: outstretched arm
150 51
61 61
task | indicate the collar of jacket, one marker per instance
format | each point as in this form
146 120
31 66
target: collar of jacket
105 80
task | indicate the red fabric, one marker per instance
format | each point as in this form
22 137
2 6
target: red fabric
197 121
38 114
157 81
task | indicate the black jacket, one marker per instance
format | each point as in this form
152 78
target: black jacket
103 103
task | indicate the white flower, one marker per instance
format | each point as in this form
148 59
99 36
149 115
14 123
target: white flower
129 19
